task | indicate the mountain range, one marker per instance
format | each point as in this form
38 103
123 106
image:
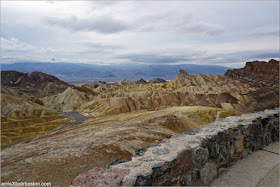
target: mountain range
75 73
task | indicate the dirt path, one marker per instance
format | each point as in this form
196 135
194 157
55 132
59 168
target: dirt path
73 116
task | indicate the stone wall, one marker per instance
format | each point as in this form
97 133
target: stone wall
194 157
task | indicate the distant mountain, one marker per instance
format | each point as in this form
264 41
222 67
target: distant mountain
83 73
108 76
139 73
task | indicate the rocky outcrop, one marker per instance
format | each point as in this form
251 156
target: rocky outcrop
94 84
33 81
140 81
127 82
157 80
193 158
257 69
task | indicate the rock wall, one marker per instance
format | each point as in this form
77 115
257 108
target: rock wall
194 157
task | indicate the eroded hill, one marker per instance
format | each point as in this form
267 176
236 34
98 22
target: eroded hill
23 118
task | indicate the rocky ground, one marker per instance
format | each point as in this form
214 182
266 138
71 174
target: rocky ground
61 156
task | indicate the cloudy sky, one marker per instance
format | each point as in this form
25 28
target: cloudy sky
224 33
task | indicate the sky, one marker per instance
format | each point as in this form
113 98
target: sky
227 33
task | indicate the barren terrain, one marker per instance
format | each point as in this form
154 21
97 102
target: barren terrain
62 155
52 131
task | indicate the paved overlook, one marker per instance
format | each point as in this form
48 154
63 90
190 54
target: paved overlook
258 169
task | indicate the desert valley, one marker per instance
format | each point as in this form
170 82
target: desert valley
53 131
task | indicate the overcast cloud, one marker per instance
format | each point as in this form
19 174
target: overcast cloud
104 24
152 32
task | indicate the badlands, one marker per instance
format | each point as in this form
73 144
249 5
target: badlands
52 131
